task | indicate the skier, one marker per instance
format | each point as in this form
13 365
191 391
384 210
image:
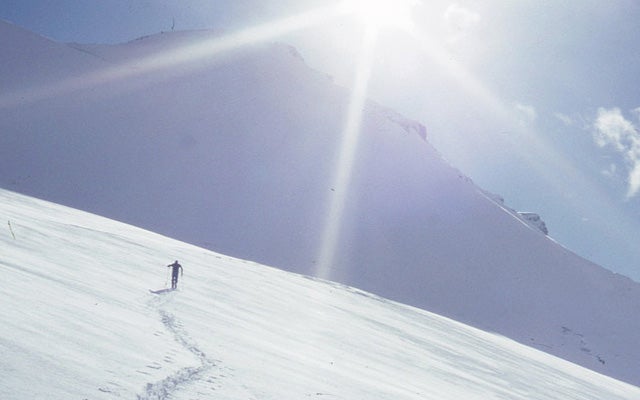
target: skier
174 273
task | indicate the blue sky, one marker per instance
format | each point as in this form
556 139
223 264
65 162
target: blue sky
536 101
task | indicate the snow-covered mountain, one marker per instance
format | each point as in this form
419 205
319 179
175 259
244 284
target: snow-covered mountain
80 323
237 151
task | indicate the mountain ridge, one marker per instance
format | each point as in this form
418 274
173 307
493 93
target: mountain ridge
237 151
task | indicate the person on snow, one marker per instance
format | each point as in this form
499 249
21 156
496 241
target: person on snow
174 273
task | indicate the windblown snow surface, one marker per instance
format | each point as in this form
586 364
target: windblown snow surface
78 322
237 150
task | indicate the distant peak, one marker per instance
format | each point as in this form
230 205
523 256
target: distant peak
534 220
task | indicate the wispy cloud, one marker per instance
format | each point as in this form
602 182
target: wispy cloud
613 130
611 171
526 114
565 119
459 20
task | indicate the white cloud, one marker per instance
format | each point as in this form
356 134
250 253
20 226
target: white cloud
634 180
613 130
459 20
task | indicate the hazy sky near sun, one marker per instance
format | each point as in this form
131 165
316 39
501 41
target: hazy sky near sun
536 101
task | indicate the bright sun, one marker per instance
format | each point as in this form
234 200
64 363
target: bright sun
395 14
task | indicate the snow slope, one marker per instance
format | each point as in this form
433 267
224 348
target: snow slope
237 152
79 323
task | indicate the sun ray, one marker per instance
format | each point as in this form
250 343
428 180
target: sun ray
348 149
167 59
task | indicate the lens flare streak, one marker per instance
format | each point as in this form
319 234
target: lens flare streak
348 149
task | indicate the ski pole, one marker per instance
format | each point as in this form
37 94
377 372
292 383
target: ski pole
11 230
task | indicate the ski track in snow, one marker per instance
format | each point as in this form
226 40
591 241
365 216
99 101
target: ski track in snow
188 376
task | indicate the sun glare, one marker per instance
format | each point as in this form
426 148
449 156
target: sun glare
374 15
395 14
